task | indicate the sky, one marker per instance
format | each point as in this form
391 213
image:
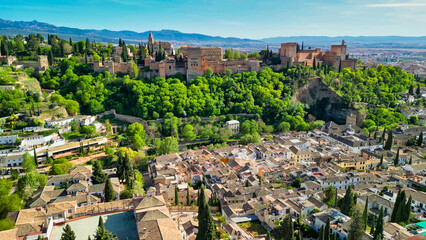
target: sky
254 19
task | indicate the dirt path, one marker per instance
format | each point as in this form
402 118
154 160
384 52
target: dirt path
82 160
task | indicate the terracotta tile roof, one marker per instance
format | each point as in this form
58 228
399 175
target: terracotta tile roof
9 234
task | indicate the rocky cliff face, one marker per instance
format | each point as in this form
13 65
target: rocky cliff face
324 103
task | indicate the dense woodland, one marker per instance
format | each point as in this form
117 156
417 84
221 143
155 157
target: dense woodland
266 93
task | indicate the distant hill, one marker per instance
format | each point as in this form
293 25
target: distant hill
178 38
354 42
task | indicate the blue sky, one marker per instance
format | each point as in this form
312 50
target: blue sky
254 19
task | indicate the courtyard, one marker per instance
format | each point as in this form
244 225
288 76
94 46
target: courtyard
122 223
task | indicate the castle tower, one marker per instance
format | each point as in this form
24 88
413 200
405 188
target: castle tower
150 39
339 50
42 62
351 119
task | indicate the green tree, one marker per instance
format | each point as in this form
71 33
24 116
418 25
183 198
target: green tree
28 164
330 193
109 194
209 73
407 210
88 131
50 58
168 145
389 141
176 195
296 183
268 236
365 214
102 233
98 175
205 226
347 203
396 159
124 168
136 134
420 139
327 230
68 233
137 183
288 230
6 224
357 226
378 232
188 133
284 127
373 225
9 203
395 208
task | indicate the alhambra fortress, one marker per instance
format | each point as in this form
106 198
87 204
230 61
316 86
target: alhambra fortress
194 61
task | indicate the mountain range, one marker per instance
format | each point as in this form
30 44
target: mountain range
177 38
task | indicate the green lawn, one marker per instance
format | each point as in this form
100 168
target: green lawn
254 227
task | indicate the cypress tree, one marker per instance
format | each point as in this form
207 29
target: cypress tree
4 48
395 206
71 41
399 213
381 161
378 232
299 236
176 195
420 139
268 236
124 53
314 64
388 144
411 160
35 157
411 90
62 48
101 233
206 225
383 135
340 66
98 175
68 233
373 225
356 230
418 90
327 230
288 233
50 57
201 212
365 214
321 233
396 160
347 202
108 191
88 46
407 210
